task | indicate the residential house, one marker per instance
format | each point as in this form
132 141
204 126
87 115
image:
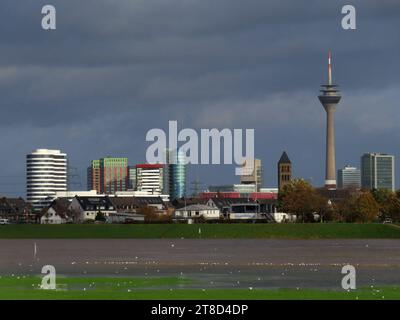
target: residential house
57 213
87 208
16 210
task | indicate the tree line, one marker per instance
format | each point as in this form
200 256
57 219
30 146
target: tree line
310 204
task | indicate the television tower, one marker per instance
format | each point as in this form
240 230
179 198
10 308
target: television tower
329 98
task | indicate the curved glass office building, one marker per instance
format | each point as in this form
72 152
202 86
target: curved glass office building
176 174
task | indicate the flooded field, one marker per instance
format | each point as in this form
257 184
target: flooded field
211 263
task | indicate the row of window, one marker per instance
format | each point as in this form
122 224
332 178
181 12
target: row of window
43 156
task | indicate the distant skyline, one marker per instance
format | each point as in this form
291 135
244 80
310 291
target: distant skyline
111 72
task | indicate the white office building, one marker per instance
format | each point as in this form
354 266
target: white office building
46 174
349 178
149 178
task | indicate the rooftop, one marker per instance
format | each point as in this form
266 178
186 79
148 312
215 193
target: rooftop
284 158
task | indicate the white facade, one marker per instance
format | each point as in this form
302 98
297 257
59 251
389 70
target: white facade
349 177
269 190
242 216
79 193
164 197
51 217
46 172
85 215
73 194
243 211
281 217
149 178
241 188
197 211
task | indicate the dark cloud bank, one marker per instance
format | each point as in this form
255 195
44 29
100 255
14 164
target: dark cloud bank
115 69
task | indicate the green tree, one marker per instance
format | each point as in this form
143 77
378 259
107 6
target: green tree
100 217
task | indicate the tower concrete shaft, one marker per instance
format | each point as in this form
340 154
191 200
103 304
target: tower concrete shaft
329 98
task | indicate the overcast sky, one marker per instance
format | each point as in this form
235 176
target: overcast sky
115 69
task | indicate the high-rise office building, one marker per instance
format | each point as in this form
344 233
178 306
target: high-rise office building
330 98
284 170
93 176
132 178
349 178
46 173
113 175
175 174
254 176
377 171
108 175
150 178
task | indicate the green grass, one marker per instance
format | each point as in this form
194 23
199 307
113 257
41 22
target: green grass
13 288
208 231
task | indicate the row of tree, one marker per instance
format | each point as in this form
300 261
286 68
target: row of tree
307 203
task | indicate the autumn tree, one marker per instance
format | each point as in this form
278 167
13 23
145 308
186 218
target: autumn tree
359 208
151 215
389 204
300 198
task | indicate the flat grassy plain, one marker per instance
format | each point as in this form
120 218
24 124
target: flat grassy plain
28 288
204 231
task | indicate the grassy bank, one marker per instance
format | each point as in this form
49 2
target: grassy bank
207 231
25 288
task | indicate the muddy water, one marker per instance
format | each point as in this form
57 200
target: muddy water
212 263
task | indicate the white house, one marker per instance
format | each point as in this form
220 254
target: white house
284 217
57 213
51 216
197 211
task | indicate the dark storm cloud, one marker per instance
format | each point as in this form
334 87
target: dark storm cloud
114 69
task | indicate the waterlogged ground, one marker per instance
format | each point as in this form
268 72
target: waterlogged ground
206 269
27 287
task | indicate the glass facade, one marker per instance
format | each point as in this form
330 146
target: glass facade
377 171
93 176
113 175
108 175
176 172
349 178
132 178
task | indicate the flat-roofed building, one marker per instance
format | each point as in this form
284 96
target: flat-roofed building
132 178
253 175
93 176
46 173
196 211
108 175
349 178
377 171
149 178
